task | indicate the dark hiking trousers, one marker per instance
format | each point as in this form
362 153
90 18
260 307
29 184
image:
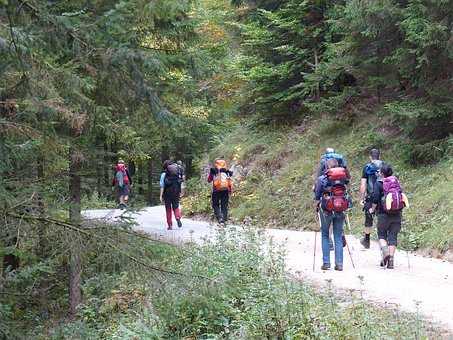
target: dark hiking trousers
219 200
388 227
172 205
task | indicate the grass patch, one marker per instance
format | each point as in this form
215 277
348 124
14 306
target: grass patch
275 187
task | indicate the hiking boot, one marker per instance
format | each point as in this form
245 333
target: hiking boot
390 264
385 260
179 223
365 242
339 267
325 266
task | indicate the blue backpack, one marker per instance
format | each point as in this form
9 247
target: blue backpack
331 155
372 172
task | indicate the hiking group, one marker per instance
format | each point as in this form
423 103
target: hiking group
381 194
172 182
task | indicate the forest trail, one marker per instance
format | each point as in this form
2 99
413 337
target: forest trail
416 284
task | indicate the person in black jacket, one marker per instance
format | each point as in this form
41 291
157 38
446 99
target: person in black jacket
368 182
388 224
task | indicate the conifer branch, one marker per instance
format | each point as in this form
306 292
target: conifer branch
106 240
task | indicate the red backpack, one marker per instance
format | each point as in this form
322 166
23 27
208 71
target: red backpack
335 199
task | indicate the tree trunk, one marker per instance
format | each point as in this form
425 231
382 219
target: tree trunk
99 167
140 177
150 182
107 168
317 90
42 246
75 264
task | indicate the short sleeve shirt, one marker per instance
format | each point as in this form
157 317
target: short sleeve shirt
162 180
364 172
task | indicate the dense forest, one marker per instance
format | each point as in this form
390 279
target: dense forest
84 83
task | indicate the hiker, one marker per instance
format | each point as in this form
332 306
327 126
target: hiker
329 154
123 182
182 172
170 192
331 202
222 186
370 177
388 201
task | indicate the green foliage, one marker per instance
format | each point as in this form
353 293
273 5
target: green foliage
276 190
85 83
285 45
315 57
245 293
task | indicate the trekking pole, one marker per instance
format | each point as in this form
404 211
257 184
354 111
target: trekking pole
349 226
347 222
314 249
347 245
314 253
350 255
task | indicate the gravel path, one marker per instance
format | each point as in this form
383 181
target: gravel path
416 284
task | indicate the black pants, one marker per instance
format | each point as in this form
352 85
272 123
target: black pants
171 200
388 226
219 200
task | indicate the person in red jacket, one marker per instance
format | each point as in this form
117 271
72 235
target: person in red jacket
222 186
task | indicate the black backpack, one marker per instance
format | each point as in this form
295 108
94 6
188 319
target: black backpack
173 178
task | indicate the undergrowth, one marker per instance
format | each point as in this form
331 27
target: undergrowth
229 289
275 170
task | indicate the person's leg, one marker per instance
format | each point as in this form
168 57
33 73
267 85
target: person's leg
331 238
168 212
382 229
326 220
177 209
126 195
224 198
338 226
393 230
368 225
215 201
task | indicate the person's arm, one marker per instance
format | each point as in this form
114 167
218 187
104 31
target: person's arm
162 186
212 173
318 192
363 181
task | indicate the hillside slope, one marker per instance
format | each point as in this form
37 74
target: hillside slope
275 176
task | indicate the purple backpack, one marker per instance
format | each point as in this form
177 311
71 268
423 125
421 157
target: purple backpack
393 195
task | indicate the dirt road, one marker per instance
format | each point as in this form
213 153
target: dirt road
416 284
